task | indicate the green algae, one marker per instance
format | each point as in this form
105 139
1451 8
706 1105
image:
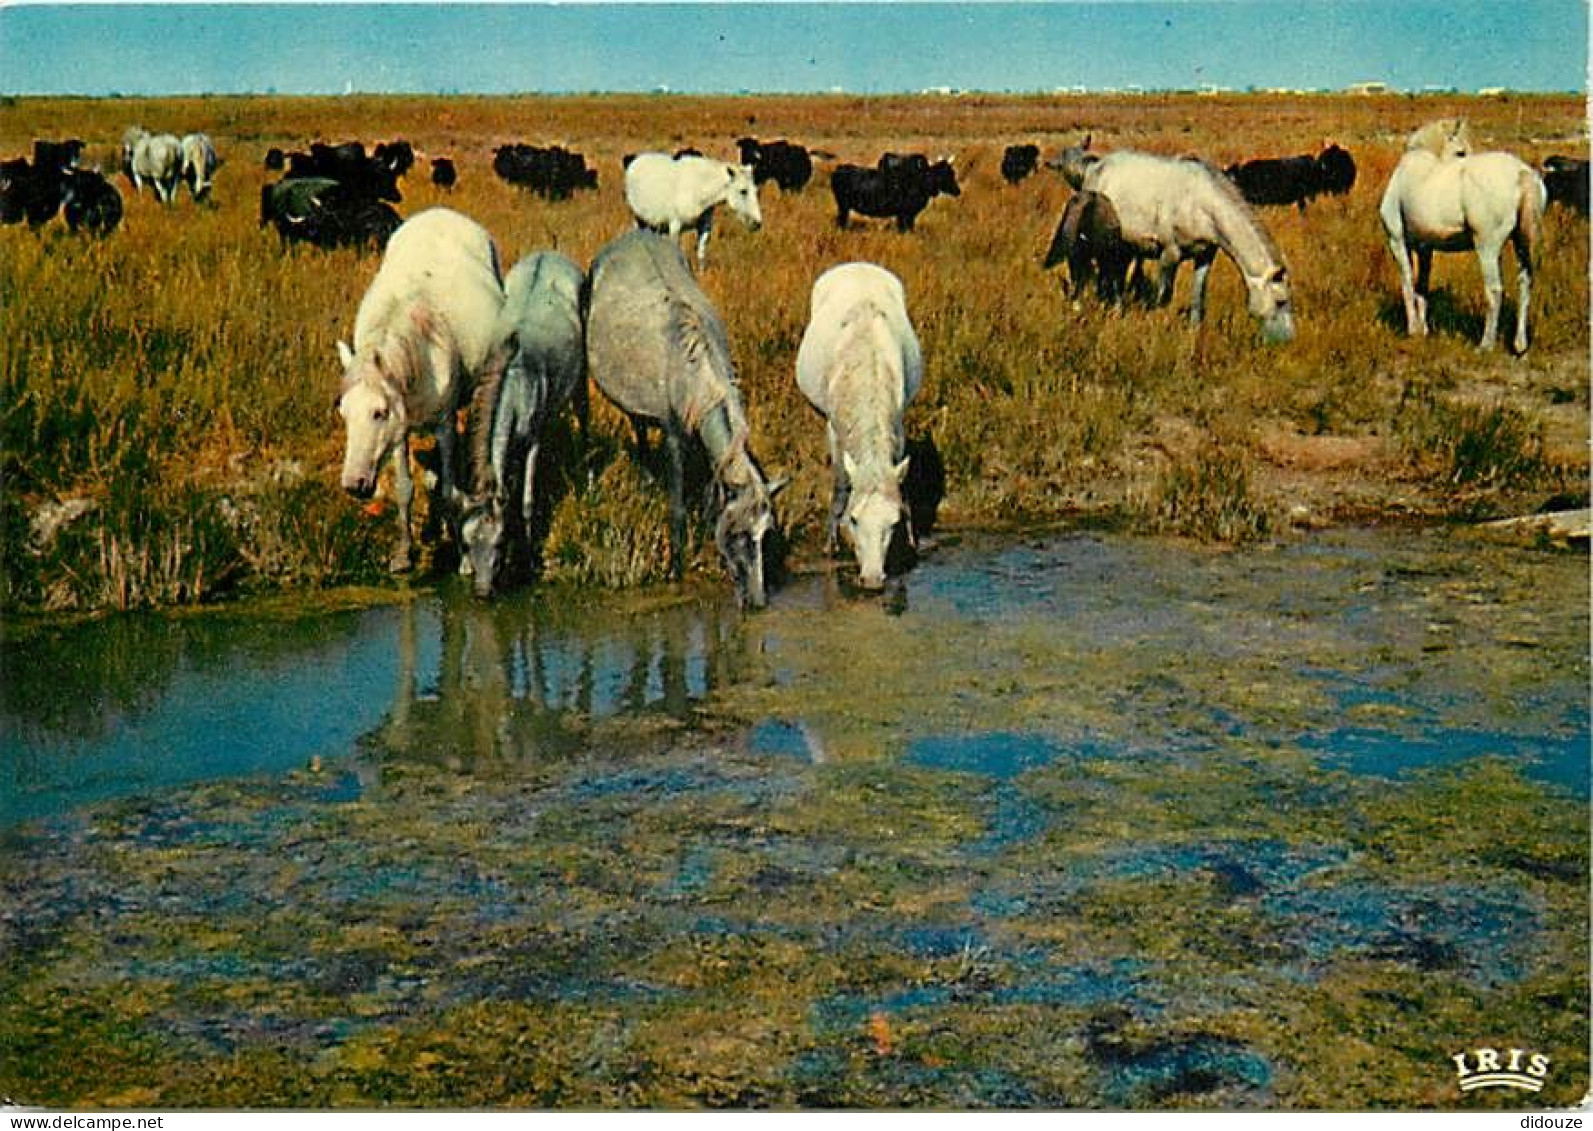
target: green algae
1014 857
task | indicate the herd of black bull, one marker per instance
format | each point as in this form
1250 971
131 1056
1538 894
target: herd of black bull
338 195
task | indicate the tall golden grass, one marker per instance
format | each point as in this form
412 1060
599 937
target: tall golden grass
180 373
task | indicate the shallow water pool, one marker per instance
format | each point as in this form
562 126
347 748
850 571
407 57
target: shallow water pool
1070 821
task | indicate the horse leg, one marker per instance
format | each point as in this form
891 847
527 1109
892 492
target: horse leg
1493 290
1167 275
1197 307
404 494
840 495
705 224
445 498
677 500
1415 306
1523 286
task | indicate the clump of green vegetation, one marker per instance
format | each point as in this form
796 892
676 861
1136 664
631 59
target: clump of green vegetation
1467 445
614 534
1207 495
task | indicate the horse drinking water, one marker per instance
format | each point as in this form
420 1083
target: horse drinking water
541 331
859 364
422 338
657 348
1174 208
668 194
1443 197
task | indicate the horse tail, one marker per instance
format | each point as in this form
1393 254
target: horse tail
1529 218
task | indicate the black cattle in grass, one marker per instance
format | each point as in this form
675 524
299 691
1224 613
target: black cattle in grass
348 164
1293 180
1089 239
275 159
89 202
552 172
1566 180
56 154
29 192
443 173
1018 161
397 157
785 163
325 213
1337 169
901 191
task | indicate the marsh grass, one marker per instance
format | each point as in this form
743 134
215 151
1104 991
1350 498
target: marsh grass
165 374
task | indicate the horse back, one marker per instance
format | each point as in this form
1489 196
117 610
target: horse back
655 345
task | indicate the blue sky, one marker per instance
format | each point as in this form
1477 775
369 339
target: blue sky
315 48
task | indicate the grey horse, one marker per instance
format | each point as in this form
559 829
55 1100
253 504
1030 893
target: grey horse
657 348
541 330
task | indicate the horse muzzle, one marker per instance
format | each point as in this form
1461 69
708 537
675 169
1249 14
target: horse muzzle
1278 330
360 486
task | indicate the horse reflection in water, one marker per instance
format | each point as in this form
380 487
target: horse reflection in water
518 681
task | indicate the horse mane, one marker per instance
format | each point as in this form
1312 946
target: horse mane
1229 191
398 352
854 350
701 347
483 422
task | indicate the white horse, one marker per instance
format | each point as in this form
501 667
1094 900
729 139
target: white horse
156 158
668 194
860 364
1443 197
199 164
1176 208
423 336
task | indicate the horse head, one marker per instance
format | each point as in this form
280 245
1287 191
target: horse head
1270 301
1447 137
745 517
741 193
1074 161
372 407
873 514
481 532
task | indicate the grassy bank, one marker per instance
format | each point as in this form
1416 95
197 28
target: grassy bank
168 434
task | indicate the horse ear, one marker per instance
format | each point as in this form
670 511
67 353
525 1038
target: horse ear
778 485
344 354
901 470
1085 144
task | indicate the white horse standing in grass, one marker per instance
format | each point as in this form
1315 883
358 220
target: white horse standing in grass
200 163
423 336
668 194
1443 197
1176 208
155 158
860 364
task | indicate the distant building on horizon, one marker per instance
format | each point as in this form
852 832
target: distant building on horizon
1371 86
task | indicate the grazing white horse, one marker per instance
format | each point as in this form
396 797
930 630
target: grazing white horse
668 194
1443 197
423 336
860 364
199 164
1177 208
156 158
